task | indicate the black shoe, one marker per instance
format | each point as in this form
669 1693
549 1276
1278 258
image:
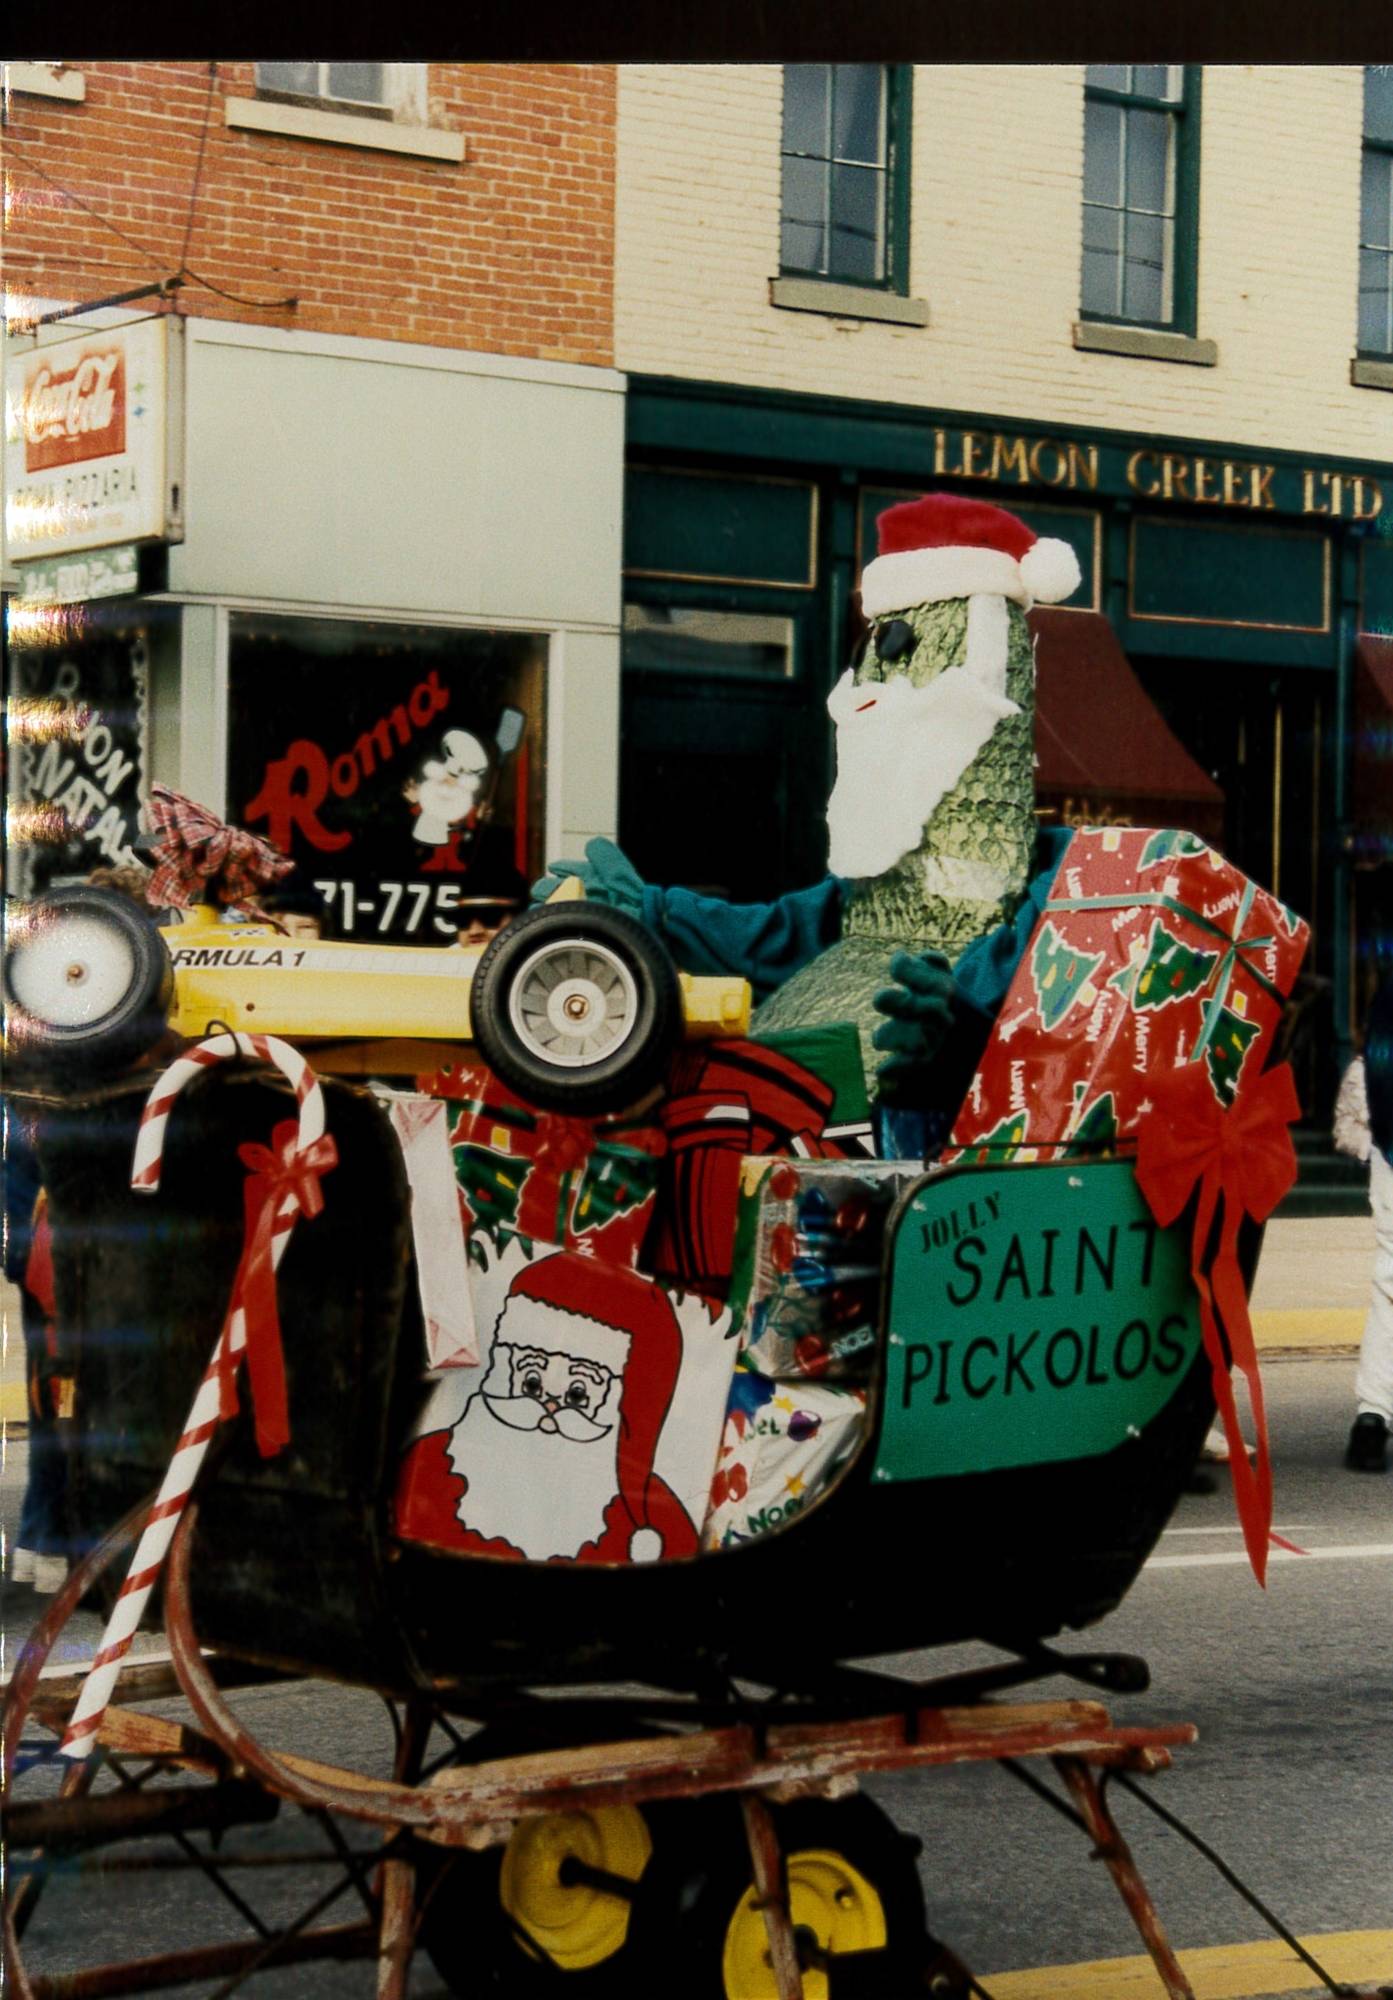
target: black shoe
1367 1450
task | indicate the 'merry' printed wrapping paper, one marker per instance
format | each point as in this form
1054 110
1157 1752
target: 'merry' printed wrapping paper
1153 952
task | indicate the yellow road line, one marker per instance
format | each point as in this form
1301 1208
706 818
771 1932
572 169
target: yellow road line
1219 1972
1317 1326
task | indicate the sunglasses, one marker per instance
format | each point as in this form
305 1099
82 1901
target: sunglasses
484 913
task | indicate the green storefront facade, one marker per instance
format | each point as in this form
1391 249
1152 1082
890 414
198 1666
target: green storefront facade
1242 586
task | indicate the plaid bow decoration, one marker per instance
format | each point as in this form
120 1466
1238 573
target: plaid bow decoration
193 848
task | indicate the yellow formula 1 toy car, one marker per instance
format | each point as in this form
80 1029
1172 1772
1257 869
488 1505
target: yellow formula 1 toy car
575 1006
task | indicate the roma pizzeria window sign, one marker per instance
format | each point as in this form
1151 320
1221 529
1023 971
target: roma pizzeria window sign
400 766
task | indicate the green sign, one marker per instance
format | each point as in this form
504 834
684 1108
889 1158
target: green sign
1037 1313
78 578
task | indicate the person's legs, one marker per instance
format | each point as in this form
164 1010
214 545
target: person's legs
41 1540
1373 1388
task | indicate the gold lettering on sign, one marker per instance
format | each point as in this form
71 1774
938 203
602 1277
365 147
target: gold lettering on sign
1141 467
1175 477
1058 472
1204 488
1262 486
1362 490
971 445
1008 455
1083 465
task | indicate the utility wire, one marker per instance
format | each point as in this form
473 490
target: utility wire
198 165
164 286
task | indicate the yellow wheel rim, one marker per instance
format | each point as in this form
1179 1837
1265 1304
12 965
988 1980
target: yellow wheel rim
573 1923
826 1896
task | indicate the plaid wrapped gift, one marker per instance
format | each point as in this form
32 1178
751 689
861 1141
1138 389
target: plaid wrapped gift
586 1184
1153 952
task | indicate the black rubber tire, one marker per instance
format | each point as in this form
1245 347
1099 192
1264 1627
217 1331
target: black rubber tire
110 1040
611 1081
692 1888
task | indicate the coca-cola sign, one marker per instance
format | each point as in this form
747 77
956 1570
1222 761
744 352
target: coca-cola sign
94 440
75 412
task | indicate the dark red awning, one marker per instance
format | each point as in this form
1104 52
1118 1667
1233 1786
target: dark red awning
1372 799
1103 750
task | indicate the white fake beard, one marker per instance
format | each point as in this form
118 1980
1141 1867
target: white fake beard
542 1491
901 748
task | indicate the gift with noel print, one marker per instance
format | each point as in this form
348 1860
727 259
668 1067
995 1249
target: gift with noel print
587 1184
1153 952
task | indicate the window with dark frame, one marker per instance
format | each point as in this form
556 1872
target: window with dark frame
1376 216
1141 194
844 210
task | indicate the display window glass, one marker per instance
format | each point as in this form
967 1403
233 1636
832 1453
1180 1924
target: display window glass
77 724
400 766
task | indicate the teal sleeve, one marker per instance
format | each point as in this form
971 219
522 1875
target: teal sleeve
986 968
765 943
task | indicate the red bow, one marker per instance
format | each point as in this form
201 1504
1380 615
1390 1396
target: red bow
1246 1155
276 1172
193 847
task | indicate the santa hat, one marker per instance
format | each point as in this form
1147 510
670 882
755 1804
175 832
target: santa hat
606 1313
947 546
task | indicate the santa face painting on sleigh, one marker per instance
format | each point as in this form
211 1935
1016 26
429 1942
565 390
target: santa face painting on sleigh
588 1430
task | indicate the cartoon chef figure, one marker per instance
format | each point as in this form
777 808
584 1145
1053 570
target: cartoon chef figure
447 787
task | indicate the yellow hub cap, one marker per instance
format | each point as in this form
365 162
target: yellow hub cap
575 1924
826 1896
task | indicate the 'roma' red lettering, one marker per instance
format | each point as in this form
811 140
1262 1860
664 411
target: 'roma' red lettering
294 786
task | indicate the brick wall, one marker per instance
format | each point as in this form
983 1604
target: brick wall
995 250
510 252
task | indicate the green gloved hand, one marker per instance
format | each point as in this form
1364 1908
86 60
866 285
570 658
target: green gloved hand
607 874
919 1011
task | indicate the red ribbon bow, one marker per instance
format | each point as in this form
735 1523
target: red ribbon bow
1246 1156
276 1171
193 847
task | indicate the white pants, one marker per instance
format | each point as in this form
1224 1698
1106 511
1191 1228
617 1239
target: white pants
1373 1386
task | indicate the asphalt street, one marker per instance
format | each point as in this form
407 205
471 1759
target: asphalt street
1291 1688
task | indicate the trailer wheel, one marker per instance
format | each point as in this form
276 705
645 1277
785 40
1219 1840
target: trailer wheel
853 1887
87 983
576 1007
522 1922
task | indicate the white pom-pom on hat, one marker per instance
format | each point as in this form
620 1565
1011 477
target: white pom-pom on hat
645 1545
1050 571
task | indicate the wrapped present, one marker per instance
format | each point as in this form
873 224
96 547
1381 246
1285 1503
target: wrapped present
1153 952
728 1099
1144 1011
587 1184
809 1241
589 1431
782 1447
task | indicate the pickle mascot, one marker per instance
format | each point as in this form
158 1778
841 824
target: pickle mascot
937 874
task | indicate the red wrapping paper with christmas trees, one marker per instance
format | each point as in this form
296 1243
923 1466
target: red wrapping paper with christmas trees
1153 952
1143 1011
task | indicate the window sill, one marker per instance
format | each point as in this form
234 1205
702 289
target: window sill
1371 374
341 128
45 80
1144 343
820 295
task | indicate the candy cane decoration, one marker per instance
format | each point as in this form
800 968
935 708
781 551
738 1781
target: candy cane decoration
172 1498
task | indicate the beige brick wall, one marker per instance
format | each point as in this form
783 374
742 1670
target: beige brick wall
995 233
